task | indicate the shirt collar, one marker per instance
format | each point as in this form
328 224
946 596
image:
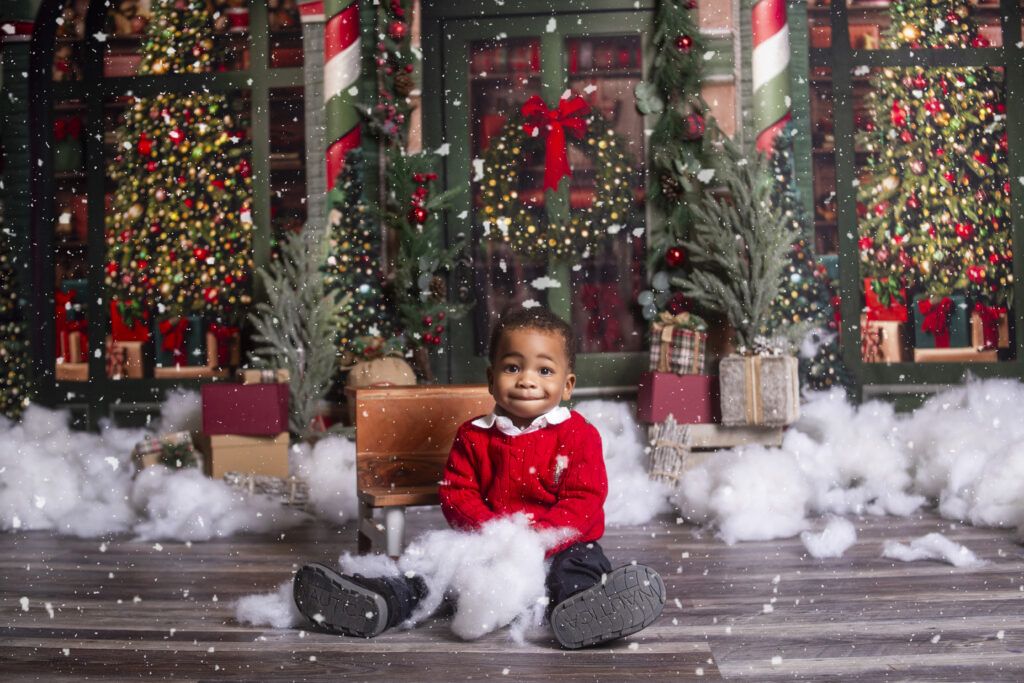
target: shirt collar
555 416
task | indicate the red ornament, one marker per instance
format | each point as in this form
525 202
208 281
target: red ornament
145 146
176 135
898 116
150 165
397 30
913 202
418 215
881 208
244 168
675 256
949 177
976 274
693 127
906 136
684 43
964 230
865 244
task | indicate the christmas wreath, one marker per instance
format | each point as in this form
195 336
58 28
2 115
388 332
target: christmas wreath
527 229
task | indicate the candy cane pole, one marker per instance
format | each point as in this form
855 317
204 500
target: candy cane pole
770 70
341 73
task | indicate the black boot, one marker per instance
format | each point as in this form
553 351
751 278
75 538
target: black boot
355 605
628 600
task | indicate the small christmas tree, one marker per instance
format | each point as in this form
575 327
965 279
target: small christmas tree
353 261
739 245
937 203
807 304
14 346
297 327
179 231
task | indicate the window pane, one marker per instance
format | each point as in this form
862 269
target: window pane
70 233
604 288
823 142
287 159
934 214
285 33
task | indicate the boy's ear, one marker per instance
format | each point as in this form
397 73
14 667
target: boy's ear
570 384
490 378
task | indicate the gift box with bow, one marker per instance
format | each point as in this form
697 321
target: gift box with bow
678 344
940 323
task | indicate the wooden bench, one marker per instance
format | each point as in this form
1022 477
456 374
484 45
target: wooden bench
403 437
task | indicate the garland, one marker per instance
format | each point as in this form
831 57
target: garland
527 229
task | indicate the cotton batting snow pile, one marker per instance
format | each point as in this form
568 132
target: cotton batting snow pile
932 547
964 448
633 498
81 483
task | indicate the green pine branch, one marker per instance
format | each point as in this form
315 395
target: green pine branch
297 327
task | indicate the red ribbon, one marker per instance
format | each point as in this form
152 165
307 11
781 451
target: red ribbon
554 123
174 338
989 324
224 335
63 128
936 320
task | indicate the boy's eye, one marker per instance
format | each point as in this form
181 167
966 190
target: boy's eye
547 371
511 368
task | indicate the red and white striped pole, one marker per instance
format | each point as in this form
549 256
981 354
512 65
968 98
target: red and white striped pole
341 76
770 60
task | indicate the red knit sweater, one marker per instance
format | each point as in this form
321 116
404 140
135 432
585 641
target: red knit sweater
555 475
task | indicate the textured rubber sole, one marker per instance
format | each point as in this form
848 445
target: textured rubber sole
629 600
338 604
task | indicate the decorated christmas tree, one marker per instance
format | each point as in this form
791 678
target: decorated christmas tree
353 262
937 202
14 347
179 230
806 304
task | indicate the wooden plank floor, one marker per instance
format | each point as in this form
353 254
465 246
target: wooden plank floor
117 609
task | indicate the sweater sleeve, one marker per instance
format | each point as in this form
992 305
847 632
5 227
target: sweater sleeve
462 500
585 486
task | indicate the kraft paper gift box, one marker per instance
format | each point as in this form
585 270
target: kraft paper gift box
255 409
990 328
690 399
248 454
264 376
883 341
956 354
759 390
677 345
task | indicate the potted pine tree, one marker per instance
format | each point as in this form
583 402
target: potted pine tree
738 251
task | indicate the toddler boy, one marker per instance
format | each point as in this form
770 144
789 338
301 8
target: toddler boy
530 456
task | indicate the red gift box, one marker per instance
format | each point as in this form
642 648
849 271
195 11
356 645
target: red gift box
690 399
245 408
138 332
896 310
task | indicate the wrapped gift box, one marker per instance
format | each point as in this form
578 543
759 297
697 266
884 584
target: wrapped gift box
127 360
120 330
175 450
180 342
223 347
72 372
964 354
67 145
895 307
883 341
690 399
263 376
940 323
248 454
759 390
990 329
245 408
676 346
72 298
74 347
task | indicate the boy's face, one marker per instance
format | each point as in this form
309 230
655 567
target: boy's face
530 375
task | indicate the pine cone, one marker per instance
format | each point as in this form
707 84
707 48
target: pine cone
670 188
438 288
404 84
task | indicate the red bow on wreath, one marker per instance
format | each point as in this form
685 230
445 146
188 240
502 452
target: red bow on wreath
224 335
174 338
554 122
67 128
936 320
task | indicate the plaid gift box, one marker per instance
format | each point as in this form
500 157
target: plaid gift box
174 450
678 344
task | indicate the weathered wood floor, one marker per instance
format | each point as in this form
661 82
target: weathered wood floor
122 609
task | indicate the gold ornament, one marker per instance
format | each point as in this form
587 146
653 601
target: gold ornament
910 33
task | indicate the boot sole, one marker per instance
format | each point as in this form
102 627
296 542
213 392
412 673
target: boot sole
337 604
629 600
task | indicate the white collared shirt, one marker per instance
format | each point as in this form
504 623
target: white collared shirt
554 416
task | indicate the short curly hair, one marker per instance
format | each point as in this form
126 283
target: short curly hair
535 318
